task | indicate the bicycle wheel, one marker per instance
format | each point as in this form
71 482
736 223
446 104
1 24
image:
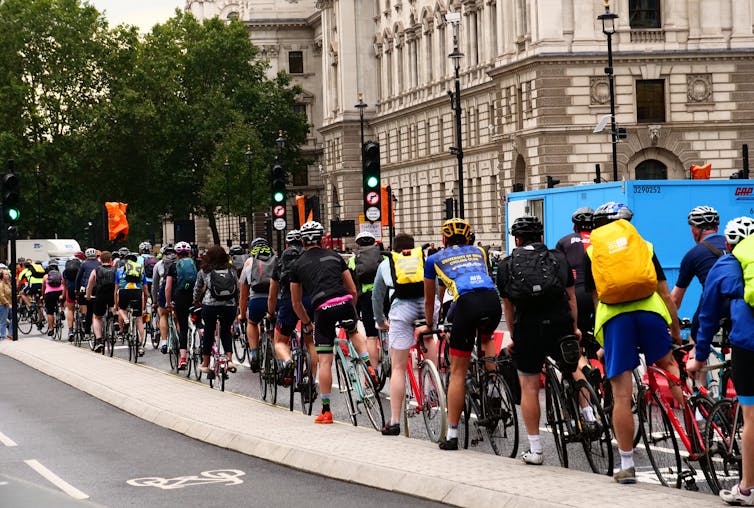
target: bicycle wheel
173 353
24 320
223 376
434 406
595 436
344 384
155 337
554 415
384 366
239 343
409 407
501 422
659 440
370 396
700 406
305 380
723 442
196 354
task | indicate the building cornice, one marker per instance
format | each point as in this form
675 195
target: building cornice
282 22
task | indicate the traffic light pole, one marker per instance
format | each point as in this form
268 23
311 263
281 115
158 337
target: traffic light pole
12 234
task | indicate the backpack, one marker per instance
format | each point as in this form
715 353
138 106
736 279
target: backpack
260 273
744 253
222 284
133 271
105 279
37 271
287 261
186 270
71 269
407 272
367 261
534 274
149 263
238 260
621 263
54 279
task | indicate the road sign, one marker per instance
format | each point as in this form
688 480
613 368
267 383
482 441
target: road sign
373 198
279 224
278 211
373 213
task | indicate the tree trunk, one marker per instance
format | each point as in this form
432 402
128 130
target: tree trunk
213 227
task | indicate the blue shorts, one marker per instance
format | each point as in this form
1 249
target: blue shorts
161 303
287 318
626 335
256 309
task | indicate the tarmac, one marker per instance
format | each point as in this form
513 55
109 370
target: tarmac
339 451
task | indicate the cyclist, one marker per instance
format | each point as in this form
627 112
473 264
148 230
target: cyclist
101 289
406 306
633 322
573 246
31 280
363 266
238 258
698 261
464 271
82 279
53 288
70 272
120 259
158 290
131 285
537 323
323 275
148 261
723 292
283 307
255 286
179 289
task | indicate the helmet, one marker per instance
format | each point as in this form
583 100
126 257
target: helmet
704 217
527 226
145 247
611 211
738 229
115 255
293 236
234 250
124 251
182 247
258 241
90 253
452 227
79 255
312 232
583 217
365 238
167 249
131 256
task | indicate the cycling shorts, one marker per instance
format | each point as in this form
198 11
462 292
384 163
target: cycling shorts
33 289
628 334
366 313
161 302
287 318
585 306
743 378
325 320
256 309
70 292
402 317
131 297
102 302
534 339
475 312
51 301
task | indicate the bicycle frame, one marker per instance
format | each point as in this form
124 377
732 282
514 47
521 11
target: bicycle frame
355 381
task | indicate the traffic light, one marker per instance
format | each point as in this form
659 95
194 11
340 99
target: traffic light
370 157
10 197
278 182
552 182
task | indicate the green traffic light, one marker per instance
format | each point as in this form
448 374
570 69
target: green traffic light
278 197
13 214
372 182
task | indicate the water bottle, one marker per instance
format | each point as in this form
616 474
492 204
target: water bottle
713 387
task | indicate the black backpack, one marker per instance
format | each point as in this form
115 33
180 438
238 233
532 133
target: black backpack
105 279
71 269
368 259
287 261
222 284
534 275
149 263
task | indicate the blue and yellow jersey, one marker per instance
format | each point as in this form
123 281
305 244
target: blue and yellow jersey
461 269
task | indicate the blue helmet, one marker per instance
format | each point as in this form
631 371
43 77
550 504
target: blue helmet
611 211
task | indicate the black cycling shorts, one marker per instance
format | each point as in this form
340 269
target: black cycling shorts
741 373
102 301
131 297
51 301
33 289
326 319
477 312
534 338
366 313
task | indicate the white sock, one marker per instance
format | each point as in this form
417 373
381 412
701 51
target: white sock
588 413
626 459
452 432
535 444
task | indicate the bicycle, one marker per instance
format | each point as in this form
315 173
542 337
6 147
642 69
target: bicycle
149 330
354 380
424 393
383 364
108 332
78 326
58 324
194 345
564 398
219 367
173 344
303 377
268 365
722 441
240 342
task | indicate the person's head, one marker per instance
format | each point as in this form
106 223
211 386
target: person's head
456 232
365 239
90 253
215 258
610 212
403 241
114 255
106 257
124 251
312 233
52 265
526 230
145 247
259 242
235 250
293 237
583 219
704 221
167 250
130 256
183 249
737 229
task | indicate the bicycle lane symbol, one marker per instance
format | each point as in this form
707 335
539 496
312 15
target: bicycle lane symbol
224 476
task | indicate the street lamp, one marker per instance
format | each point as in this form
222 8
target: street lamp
38 173
227 197
249 155
608 28
360 106
280 142
454 18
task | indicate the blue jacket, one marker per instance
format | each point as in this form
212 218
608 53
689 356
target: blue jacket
725 282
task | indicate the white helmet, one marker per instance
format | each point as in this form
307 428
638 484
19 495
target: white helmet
365 238
90 253
738 229
312 232
293 236
182 247
145 247
704 217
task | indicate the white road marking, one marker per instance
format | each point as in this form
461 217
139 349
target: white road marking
6 440
56 480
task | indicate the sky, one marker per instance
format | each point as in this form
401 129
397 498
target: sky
142 13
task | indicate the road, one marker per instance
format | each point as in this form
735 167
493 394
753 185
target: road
58 444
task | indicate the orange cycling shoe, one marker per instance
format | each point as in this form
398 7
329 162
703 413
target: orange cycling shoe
325 417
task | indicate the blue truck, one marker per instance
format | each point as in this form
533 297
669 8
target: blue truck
660 211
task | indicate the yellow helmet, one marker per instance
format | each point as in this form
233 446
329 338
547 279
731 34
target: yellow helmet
456 226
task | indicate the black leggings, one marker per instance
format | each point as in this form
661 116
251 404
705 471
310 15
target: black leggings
210 315
182 302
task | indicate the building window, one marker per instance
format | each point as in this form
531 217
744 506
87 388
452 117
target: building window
301 178
651 169
644 13
296 62
650 101
301 110
233 16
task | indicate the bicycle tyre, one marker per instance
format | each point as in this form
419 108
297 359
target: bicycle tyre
554 416
344 383
409 406
723 443
306 387
238 344
109 344
501 422
434 404
370 396
263 367
700 405
155 337
659 439
196 354
24 320
384 366
598 448
223 377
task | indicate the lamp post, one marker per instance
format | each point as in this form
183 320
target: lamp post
249 156
227 197
280 142
360 106
454 18
608 28
38 173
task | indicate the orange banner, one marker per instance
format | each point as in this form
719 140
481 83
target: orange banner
117 223
701 172
388 219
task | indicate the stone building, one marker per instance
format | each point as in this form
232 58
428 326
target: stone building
533 88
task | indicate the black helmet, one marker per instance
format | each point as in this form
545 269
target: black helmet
611 211
236 250
584 218
527 226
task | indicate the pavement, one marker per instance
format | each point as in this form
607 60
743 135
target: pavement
340 451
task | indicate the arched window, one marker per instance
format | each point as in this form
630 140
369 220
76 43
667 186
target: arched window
233 16
651 169
644 13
